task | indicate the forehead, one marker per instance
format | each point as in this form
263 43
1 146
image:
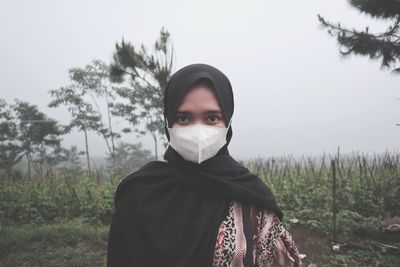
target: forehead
200 97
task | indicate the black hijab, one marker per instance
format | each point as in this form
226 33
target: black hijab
168 213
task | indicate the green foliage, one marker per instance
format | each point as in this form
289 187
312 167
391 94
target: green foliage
72 243
95 81
360 257
148 73
58 199
367 190
27 132
84 115
378 8
82 98
350 222
129 158
377 46
10 151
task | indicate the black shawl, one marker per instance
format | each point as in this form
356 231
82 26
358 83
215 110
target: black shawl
168 213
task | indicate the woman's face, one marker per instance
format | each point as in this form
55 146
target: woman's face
199 106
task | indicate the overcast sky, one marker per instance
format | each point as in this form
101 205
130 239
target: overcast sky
294 94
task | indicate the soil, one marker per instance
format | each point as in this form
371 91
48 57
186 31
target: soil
318 246
311 243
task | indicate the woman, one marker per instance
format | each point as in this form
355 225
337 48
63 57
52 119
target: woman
200 207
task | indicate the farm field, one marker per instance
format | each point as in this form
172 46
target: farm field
64 220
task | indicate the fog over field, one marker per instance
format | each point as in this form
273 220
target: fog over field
294 93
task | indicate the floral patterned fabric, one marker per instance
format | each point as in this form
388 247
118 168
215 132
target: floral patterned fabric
272 244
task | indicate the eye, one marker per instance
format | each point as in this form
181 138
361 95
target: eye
182 119
213 119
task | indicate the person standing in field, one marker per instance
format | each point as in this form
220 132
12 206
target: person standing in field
199 207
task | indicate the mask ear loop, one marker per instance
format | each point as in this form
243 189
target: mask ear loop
166 127
229 124
166 121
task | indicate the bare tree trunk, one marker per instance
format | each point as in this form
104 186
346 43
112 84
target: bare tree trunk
111 148
29 165
41 160
334 200
111 131
155 145
87 152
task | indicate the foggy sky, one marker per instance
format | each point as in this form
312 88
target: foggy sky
294 94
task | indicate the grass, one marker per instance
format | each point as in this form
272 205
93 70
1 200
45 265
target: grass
360 257
71 243
75 243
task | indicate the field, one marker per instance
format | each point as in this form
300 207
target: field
343 200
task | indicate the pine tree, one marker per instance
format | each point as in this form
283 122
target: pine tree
148 71
384 46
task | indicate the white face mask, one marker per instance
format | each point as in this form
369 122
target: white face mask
198 142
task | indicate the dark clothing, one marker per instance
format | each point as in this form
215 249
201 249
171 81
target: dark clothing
169 213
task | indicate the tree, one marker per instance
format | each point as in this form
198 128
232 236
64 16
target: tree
36 135
130 157
10 151
84 117
94 78
71 162
383 46
148 73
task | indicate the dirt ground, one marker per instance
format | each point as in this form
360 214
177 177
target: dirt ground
380 248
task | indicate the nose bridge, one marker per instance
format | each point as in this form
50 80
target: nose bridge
197 119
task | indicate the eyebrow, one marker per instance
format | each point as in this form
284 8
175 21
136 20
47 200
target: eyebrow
207 112
214 112
183 113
